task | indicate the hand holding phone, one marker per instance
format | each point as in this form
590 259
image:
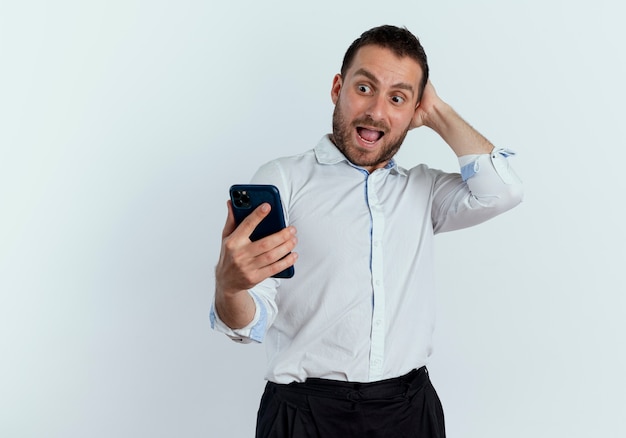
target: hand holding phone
245 198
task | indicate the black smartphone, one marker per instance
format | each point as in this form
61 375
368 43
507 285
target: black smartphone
246 197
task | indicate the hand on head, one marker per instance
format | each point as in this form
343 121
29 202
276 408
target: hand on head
427 103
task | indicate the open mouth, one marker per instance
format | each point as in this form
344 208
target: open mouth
369 136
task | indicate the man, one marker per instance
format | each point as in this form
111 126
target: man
350 335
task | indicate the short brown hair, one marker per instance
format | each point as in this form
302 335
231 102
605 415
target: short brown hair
398 39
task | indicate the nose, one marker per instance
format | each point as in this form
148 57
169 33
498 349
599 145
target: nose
376 109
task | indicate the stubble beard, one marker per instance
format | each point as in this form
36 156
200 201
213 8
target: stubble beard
342 131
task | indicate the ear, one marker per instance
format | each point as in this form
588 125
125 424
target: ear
336 88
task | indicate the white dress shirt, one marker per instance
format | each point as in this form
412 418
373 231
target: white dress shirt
361 304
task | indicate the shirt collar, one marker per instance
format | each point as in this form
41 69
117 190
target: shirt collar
327 153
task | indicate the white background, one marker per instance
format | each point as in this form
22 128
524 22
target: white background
123 123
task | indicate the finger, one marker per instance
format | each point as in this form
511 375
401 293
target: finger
276 259
229 226
260 260
269 244
264 253
247 226
284 263
250 263
272 248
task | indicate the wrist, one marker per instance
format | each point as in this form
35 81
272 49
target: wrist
228 293
439 116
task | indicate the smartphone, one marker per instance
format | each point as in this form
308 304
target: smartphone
246 197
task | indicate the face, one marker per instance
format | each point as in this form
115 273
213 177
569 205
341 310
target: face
374 105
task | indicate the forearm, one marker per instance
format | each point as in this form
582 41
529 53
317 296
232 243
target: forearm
456 132
236 310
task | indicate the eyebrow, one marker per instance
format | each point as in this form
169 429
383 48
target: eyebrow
371 77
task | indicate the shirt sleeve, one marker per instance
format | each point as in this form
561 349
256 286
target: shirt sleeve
486 187
263 295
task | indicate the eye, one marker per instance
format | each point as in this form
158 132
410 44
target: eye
397 99
364 89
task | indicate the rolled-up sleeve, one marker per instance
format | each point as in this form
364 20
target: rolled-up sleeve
265 312
486 187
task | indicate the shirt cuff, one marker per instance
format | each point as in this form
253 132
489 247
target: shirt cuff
470 164
254 331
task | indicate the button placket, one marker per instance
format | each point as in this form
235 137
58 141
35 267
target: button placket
377 345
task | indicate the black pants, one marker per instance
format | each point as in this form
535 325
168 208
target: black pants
406 406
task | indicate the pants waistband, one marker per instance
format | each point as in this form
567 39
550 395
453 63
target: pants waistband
395 387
